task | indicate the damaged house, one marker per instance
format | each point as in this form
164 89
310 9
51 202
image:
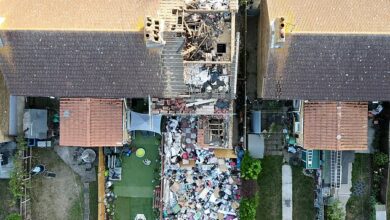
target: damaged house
181 54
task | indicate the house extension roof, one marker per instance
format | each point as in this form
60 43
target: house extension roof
332 16
80 64
91 122
76 15
329 67
335 125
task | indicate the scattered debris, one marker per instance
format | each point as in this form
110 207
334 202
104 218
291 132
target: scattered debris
202 78
207 36
207 4
207 190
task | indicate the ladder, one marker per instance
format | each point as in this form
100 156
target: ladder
335 169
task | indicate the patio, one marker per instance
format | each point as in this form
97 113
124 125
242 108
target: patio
135 190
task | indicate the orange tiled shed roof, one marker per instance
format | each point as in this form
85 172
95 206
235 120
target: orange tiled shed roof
90 122
335 125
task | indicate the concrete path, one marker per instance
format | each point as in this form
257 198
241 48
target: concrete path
86 201
287 192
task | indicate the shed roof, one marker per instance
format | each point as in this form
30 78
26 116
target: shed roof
90 122
76 15
335 125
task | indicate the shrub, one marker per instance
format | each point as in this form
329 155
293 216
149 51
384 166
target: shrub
248 208
335 212
14 216
248 188
250 167
381 159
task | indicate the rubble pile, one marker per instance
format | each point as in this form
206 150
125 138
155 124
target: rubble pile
202 31
170 106
208 190
207 4
207 78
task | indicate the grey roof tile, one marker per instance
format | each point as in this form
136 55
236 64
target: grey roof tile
330 67
80 64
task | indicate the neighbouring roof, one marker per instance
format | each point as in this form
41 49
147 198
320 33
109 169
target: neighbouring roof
90 122
329 67
80 64
335 125
76 15
332 16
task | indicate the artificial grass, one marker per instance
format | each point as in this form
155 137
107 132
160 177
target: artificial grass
128 208
135 190
303 195
138 179
270 189
358 207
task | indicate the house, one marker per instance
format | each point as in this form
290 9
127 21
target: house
79 49
324 50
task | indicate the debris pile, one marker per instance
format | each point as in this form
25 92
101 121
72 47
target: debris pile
207 4
208 190
202 78
203 33
170 106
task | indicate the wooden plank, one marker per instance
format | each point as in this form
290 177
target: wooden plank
101 186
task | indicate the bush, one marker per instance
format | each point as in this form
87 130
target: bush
248 188
381 159
250 167
335 212
248 208
14 216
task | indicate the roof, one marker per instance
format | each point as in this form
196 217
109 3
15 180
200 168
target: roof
80 64
91 122
35 123
86 15
329 67
332 16
335 125
4 111
256 145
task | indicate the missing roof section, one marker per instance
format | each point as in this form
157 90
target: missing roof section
215 5
208 36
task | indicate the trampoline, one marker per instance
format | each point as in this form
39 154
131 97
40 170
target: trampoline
140 152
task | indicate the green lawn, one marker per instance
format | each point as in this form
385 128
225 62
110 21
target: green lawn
303 195
358 207
135 190
270 189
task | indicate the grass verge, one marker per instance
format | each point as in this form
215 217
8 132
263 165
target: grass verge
303 195
270 189
358 206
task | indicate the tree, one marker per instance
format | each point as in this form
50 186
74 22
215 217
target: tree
335 212
14 216
381 159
